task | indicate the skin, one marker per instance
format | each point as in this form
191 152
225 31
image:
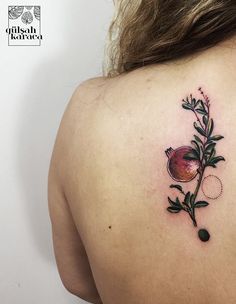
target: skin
114 241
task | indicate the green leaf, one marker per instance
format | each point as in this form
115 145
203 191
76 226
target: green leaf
213 152
177 187
200 204
195 151
205 119
192 200
202 150
191 155
178 202
187 199
174 204
210 127
200 130
208 142
209 164
216 137
201 106
200 111
196 145
198 139
197 103
209 148
216 159
187 106
193 102
173 209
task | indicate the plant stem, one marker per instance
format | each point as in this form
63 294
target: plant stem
193 218
202 168
198 184
192 211
198 119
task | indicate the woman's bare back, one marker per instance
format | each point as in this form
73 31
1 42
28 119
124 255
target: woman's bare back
116 181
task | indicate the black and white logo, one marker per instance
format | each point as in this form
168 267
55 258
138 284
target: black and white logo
24 25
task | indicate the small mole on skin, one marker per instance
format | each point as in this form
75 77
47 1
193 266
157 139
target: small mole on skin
109 227
141 138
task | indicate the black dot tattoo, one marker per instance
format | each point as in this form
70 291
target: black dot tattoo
203 235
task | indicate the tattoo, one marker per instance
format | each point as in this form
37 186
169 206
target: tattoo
208 191
188 162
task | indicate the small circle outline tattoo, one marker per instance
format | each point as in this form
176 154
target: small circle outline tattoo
221 187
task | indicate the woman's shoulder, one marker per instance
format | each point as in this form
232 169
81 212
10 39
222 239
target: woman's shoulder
88 86
76 123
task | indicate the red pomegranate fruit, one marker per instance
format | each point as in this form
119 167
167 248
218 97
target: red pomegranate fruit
180 169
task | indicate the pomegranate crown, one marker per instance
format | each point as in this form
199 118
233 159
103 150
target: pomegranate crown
169 152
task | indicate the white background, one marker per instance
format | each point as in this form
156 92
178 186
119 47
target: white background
36 84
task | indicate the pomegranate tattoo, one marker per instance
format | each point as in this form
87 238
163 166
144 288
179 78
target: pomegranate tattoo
189 162
179 168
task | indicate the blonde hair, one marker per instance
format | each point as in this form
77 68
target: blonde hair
145 32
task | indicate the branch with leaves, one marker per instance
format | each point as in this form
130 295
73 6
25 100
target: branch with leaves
203 151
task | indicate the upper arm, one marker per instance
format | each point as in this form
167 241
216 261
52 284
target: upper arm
70 254
68 248
71 258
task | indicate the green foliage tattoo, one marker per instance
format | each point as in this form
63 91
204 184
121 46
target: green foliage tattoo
187 162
